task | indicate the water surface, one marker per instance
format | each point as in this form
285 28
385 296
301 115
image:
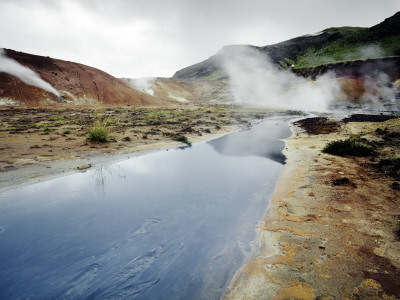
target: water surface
172 224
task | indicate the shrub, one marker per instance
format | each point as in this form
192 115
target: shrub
182 138
98 134
351 146
66 131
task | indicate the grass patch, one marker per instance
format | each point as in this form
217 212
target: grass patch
100 131
98 134
66 131
56 118
46 128
351 146
182 138
59 123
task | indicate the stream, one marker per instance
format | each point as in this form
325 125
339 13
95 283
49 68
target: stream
174 224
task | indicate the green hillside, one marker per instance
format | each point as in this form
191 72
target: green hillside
332 45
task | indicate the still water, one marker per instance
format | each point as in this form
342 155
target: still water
174 224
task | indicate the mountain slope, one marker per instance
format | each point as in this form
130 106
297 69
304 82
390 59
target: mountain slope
76 83
332 45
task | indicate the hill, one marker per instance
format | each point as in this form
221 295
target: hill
330 46
77 84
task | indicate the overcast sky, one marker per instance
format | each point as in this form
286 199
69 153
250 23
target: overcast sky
141 38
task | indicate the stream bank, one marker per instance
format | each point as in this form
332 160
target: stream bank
40 143
324 240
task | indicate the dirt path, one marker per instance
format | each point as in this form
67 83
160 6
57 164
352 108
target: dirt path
332 231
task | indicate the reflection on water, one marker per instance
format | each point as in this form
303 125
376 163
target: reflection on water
172 224
262 140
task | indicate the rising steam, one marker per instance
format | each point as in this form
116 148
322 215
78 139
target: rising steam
12 67
143 84
255 80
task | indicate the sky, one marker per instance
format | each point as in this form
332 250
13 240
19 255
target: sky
155 38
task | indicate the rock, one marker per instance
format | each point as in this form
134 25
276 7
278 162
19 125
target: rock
187 129
84 167
395 186
343 181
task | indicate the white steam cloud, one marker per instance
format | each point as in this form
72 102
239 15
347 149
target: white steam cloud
379 91
371 51
255 80
143 84
12 67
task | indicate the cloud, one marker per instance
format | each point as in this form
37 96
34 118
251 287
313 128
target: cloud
12 67
156 38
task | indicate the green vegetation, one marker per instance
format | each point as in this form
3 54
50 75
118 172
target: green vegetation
46 128
352 146
59 123
66 131
183 139
98 134
56 118
100 131
341 44
391 45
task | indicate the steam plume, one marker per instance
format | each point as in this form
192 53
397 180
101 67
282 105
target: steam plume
12 67
143 84
255 80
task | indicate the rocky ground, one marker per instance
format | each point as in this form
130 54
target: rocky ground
35 142
332 231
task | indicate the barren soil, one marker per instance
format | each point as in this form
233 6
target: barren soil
332 230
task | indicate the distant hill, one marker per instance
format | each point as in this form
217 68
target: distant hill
77 84
330 46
